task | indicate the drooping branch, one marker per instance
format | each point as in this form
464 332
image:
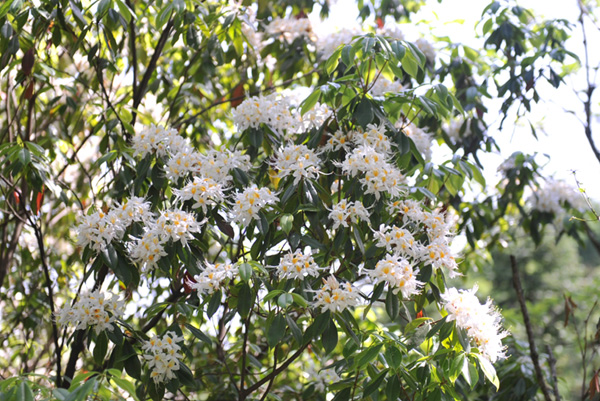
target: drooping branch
532 348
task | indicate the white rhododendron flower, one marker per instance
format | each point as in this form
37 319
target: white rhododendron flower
94 309
203 191
212 277
427 48
409 208
97 230
343 211
289 29
297 265
336 297
437 225
321 379
316 116
163 356
134 209
339 140
327 44
439 255
480 321
383 85
249 202
378 175
218 164
553 195
399 274
149 249
398 240
177 225
420 137
298 161
152 139
272 110
375 137
181 163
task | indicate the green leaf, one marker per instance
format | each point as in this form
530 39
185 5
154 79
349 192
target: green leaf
127 386
199 334
392 305
368 355
213 304
24 156
272 295
374 384
5 7
245 270
392 388
286 223
100 348
24 392
299 300
416 323
285 300
245 300
410 65
488 370
393 356
296 331
364 112
310 101
277 330
317 327
329 337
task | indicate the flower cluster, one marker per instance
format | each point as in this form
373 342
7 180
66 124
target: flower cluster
171 225
99 229
420 137
375 137
203 191
427 48
378 175
552 197
327 44
409 208
343 211
297 265
212 277
399 240
156 139
321 379
339 140
383 85
298 161
272 110
94 309
336 297
290 29
398 273
163 356
251 201
481 321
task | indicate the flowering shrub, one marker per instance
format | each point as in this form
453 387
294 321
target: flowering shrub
259 199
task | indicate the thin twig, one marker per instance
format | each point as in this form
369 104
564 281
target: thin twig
276 371
532 349
552 362
141 90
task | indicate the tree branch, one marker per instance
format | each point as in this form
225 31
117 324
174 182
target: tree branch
274 373
141 90
532 349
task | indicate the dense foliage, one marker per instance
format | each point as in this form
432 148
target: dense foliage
212 200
